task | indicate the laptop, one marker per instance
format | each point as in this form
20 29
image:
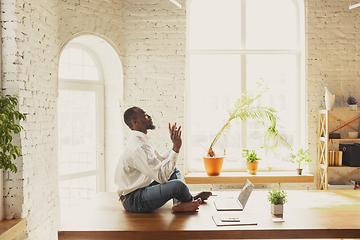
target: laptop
235 204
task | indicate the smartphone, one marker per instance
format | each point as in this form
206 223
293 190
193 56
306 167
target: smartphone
278 220
230 219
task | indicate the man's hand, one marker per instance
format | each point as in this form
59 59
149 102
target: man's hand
175 135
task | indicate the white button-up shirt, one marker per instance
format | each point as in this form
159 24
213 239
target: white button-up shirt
140 164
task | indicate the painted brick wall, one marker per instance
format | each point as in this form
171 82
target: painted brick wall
103 18
332 32
39 47
30 57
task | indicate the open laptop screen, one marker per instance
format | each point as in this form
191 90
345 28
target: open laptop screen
245 192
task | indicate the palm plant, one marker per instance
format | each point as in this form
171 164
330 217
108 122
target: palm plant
244 109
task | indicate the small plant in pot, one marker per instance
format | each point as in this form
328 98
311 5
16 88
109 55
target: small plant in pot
301 156
251 160
245 108
277 198
352 103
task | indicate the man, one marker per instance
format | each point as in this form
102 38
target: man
146 180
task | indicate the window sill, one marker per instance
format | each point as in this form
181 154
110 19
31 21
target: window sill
240 177
10 229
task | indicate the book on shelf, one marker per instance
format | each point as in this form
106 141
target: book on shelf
335 158
340 158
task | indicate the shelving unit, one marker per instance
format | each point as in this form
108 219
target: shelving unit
341 121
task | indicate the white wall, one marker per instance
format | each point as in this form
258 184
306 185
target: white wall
30 57
332 60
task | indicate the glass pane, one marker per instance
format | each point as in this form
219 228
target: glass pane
75 56
215 24
271 24
76 72
77 131
75 63
214 87
90 73
74 194
279 74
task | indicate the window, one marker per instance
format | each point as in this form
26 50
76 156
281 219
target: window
231 45
89 132
76 63
80 127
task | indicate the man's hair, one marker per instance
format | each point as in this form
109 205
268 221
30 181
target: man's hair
129 115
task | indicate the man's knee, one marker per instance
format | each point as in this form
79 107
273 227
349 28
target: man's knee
179 190
178 184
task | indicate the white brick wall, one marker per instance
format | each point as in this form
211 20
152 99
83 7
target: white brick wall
39 49
103 18
332 32
150 38
30 57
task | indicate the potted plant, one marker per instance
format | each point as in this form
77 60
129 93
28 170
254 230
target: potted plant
245 108
352 103
9 127
251 160
301 156
277 198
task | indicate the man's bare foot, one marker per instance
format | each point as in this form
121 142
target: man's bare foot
203 196
187 206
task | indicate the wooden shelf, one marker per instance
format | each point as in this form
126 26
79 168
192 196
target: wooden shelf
10 229
339 111
240 177
342 139
340 121
342 167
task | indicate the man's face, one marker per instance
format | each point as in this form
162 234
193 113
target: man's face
144 120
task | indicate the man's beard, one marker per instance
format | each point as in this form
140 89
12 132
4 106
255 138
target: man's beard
151 126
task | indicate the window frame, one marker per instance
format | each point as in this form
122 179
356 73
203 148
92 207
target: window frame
96 86
243 52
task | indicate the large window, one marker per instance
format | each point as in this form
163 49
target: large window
81 128
89 109
232 44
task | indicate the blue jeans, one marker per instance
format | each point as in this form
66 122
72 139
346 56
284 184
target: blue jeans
155 195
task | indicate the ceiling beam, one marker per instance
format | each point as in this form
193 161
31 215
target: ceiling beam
176 3
354 6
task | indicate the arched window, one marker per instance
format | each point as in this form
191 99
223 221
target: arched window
78 62
231 45
90 75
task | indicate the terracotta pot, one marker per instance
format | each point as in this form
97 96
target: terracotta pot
213 165
252 167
